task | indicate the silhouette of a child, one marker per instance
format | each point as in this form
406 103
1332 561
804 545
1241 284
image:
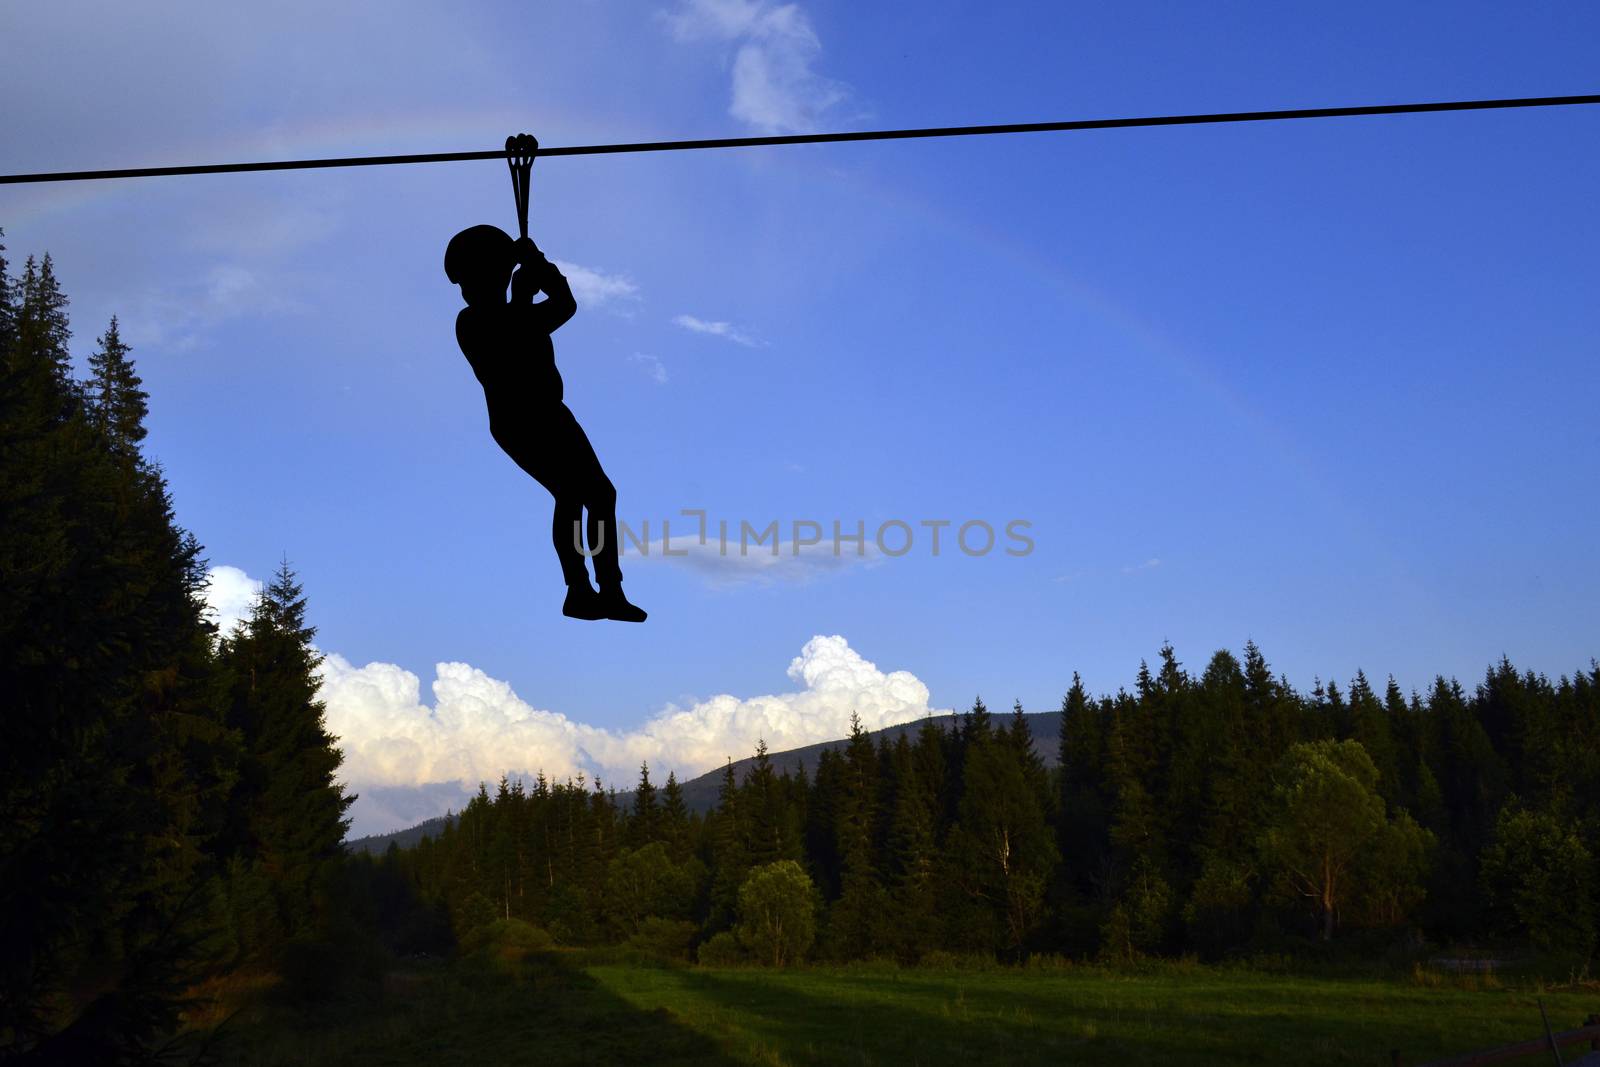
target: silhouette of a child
508 345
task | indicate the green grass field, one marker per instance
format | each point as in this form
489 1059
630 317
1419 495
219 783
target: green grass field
565 1008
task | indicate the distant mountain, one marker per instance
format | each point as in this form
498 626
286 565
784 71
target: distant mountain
700 794
378 844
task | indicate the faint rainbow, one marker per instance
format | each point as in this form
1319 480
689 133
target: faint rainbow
440 130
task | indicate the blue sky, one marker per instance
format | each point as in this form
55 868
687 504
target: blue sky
1327 385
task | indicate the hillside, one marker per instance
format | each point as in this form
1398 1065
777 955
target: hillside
700 794
378 844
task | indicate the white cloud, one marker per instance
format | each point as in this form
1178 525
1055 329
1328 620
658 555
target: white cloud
651 366
1148 565
230 592
409 758
726 330
774 86
595 288
477 728
758 564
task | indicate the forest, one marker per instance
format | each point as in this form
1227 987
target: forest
1209 815
174 815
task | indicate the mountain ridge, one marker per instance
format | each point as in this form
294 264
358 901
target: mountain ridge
700 793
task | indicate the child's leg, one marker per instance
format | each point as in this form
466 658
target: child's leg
564 532
533 456
585 481
604 539
582 467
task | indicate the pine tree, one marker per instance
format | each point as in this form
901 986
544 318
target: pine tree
975 722
288 811
764 805
1135 824
38 354
8 315
45 465
1019 736
674 817
822 824
501 869
730 856
855 927
913 854
644 827
114 759
1004 850
117 401
1083 803
1369 724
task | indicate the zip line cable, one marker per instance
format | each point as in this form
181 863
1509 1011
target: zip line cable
813 138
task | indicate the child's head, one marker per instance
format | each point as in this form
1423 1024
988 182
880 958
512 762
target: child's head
480 260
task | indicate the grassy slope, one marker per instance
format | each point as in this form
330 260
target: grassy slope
1083 1016
551 1010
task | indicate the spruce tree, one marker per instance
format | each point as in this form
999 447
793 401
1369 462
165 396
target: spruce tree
913 855
764 804
117 400
1004 852
855 921
822 823
288 811
114 759
645 825
674 816
730 856
1082 803
1369 724
7 311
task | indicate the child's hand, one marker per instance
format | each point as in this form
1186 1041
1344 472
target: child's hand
527 252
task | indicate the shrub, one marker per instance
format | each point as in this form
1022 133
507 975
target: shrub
668 938
1540 881
722 950
506 940
777 913
646 882
471 913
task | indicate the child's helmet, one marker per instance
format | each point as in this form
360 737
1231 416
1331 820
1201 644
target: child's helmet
479 253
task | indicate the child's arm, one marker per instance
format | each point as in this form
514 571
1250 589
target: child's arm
538 274
558 305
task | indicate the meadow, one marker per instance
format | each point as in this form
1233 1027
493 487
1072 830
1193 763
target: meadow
596 1008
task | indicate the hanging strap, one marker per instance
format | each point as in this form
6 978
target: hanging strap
520 150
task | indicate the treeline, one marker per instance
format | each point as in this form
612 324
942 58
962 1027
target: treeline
167 802
1211 814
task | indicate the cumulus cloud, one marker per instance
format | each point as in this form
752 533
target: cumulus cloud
476 728
775 88
230 592
725 330
596 288
410 757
